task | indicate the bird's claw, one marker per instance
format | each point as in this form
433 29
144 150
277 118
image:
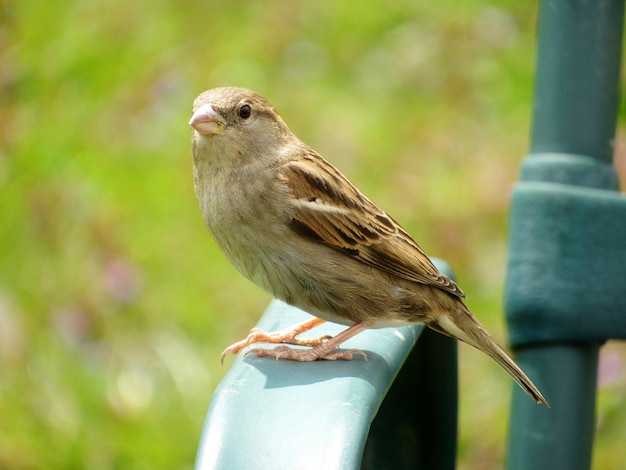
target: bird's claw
289 336
308 355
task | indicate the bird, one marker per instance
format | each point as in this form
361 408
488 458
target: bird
294 225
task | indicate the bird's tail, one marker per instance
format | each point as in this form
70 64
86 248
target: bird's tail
464 326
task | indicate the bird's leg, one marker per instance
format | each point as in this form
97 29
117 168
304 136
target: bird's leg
322 351
288 336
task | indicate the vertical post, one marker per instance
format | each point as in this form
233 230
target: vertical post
574 120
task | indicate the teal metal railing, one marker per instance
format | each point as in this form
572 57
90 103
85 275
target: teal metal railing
268 414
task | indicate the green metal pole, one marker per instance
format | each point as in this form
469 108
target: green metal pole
577 78
574 120
561 437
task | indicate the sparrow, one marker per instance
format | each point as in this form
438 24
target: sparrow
293 224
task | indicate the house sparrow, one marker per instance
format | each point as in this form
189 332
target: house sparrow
290 222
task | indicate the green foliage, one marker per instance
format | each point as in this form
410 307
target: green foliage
114 302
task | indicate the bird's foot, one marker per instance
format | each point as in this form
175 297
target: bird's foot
308 355
286 336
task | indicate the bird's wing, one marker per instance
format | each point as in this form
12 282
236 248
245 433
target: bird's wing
330 209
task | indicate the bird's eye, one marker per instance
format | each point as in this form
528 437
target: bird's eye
245 111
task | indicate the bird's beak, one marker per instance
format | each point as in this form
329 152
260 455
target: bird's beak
207 121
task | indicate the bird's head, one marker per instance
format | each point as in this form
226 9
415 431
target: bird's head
237 122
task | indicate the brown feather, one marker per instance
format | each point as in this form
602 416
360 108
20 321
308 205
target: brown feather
328 207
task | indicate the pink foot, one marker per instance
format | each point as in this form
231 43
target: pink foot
286 336
308 355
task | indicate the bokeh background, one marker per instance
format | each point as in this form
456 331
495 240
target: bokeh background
114 301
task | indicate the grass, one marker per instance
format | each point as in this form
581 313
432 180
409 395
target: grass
114 302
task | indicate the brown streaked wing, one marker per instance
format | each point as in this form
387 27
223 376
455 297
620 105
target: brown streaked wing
332 210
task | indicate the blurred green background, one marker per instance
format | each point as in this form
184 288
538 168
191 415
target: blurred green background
114 301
